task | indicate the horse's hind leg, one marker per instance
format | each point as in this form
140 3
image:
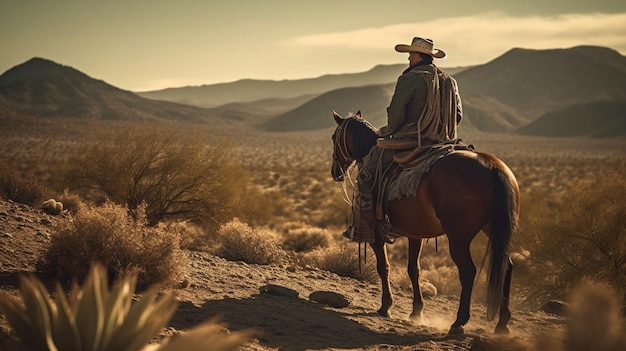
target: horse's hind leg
505 312
460 253
413 268
382 266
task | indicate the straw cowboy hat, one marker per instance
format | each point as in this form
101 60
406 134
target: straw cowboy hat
421 45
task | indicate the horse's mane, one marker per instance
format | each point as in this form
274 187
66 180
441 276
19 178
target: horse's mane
364 137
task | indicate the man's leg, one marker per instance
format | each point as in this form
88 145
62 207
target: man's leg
364 213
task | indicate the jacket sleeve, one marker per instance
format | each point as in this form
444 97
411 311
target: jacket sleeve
396 112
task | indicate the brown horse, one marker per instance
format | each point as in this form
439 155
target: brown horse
461 194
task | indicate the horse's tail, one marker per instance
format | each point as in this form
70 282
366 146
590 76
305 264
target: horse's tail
503 224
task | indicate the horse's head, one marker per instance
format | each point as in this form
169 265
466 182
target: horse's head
352 140
342 155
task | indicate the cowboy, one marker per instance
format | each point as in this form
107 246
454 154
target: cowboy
425 108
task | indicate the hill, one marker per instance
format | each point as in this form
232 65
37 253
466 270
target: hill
43 88
502 95
248 90
596 119
316 113
537 81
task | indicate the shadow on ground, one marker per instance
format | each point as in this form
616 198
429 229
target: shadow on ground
297 324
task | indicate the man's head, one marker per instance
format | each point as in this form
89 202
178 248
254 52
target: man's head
421 46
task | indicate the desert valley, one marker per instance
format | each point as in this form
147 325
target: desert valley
561 131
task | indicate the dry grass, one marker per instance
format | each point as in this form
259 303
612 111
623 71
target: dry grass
342 260
239 242
22 188
306 239
111 236
292 188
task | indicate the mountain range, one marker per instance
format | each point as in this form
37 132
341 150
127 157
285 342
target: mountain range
43 88
557 92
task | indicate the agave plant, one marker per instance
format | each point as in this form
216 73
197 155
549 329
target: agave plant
96 319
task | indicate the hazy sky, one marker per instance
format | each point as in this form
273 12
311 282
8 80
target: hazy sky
152 44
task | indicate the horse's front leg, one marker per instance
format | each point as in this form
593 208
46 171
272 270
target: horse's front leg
413 268
382 266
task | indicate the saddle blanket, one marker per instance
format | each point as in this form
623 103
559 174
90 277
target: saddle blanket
406 182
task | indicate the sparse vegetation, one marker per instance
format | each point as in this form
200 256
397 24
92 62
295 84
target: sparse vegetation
175 174
22 188
343 260
293 194
579 234
109 235
239 242
305 239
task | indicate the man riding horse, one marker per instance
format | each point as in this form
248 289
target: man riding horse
425 109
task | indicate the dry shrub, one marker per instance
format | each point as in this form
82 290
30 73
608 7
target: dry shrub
595 321
444 278
239 242
71 202
193 237
343 260
172 171
306 239
581 234
111 236
21 188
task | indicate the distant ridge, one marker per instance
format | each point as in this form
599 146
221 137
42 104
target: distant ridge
538 81
601 119
502 95
317 113
247 90
43 88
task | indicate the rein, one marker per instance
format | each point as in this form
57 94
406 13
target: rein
341 146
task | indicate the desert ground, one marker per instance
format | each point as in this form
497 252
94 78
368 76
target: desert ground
246 296
275 299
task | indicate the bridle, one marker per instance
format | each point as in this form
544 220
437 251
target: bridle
341 147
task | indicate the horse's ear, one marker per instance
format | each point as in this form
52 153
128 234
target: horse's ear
338 119
358 115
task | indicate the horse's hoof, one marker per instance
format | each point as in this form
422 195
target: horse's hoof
454 330
502 330
384 313
416 317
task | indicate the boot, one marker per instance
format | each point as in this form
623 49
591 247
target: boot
363 229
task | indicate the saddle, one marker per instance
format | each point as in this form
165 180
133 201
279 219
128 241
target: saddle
401 177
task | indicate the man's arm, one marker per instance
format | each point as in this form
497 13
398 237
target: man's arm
396 112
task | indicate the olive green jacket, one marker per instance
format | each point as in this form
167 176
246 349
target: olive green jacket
408 102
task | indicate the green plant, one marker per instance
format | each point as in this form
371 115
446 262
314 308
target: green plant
96 318
110 235
239 242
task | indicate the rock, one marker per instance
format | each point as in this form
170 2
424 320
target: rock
278 290
556 307
330 298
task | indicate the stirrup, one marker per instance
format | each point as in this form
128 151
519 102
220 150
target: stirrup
387 231
349 233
